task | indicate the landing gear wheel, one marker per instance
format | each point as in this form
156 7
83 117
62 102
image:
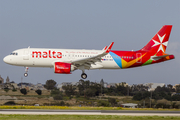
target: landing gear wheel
83 75
26 70
25 74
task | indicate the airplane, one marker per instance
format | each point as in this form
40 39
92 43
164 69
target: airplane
65 61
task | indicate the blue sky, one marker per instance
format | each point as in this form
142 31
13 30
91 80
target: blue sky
89 24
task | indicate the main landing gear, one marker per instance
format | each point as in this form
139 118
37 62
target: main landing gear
26 70
84 75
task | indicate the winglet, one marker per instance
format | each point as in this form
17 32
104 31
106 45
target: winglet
109 47
104 48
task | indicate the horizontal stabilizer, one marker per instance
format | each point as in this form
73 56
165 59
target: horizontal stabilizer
160 57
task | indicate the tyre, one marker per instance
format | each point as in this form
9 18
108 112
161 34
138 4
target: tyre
84 76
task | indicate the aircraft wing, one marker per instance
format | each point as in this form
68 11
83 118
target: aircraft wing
87 62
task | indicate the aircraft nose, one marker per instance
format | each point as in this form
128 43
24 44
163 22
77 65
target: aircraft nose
7 59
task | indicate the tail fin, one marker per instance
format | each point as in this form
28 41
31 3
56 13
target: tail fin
159 42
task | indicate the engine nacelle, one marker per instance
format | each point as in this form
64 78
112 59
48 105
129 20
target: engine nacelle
63 68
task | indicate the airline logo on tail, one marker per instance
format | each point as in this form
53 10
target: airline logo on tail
159 42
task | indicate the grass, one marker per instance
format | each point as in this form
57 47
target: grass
81 108
38 96
83 117
60 107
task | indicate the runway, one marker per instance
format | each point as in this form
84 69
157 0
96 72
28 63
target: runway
90 112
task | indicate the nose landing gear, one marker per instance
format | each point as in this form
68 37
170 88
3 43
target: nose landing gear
26 70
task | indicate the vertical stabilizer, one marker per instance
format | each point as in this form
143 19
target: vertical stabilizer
159 42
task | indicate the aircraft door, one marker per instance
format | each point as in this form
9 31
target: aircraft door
73 56
138 55
26 55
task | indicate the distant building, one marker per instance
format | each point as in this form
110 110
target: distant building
14 85
29 86
66 83
59 86
153 86
1 80
7 79
39 86
115 84
10 85
111 85
175 94
75 83
129 105
122 83
175 86
105 84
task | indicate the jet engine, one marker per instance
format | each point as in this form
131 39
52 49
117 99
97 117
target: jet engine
63 68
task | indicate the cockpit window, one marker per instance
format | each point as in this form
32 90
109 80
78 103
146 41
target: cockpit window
14 53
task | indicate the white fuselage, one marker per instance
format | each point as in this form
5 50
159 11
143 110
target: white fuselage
41 57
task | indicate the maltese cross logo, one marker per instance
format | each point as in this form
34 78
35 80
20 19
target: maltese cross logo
161 43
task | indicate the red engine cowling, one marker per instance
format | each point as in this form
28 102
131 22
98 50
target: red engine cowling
63 68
